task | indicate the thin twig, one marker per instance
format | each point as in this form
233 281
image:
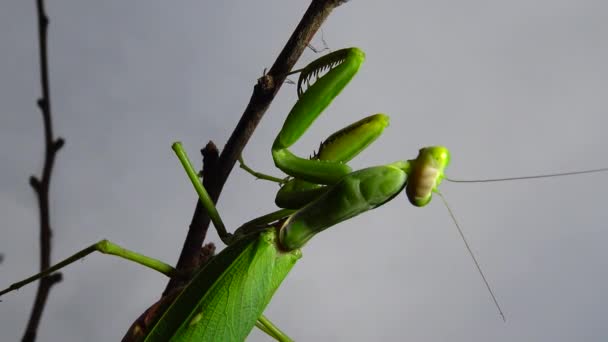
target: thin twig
41 187
263 94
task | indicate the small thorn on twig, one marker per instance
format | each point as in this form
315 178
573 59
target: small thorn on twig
207 252
209 150
41 104
210 155
58 144
35 183
266 82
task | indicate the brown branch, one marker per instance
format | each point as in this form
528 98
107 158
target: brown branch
41 187
263 94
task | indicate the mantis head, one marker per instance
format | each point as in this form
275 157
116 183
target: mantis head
426 173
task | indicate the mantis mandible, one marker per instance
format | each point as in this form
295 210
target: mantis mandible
227 296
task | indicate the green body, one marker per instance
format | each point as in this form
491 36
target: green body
226 298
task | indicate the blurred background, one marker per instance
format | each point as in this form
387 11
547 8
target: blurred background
512 88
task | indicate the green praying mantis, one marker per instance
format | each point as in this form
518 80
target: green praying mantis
226 299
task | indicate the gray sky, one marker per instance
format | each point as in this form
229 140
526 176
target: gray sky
511 87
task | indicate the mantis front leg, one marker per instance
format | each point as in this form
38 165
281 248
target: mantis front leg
343 65
337 149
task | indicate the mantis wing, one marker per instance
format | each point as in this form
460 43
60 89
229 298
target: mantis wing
225 299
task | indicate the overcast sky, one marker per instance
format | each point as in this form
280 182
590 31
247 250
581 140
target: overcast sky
511 87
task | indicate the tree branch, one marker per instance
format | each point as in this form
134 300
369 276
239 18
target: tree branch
263 94
41 187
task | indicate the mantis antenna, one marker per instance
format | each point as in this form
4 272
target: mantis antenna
502 315
548 175
490 180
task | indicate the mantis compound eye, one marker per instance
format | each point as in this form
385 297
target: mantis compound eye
441 155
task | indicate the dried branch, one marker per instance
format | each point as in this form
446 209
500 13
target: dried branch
41 187
263 94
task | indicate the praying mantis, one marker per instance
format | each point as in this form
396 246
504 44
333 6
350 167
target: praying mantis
323 192
225 300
